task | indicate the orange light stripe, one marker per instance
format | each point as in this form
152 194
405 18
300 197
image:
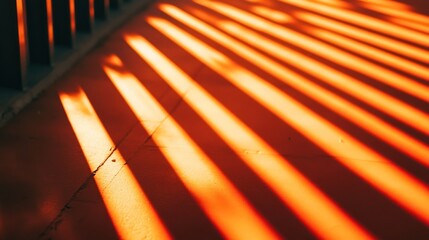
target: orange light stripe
362 118
409 24
222 202
290 185
380 41
373 96
402 14
325 50
363 21
72 16
380 56
131 212
378 99
388 4
21 32
272 14
91 10
366 163
50 22
335 3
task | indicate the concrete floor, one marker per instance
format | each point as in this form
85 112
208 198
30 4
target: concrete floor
231 119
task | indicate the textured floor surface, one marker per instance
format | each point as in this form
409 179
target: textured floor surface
231 119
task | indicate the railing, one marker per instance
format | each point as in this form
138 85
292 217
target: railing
39 39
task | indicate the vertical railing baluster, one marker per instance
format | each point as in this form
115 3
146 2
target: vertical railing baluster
101 8
64 22
84 15
13 44
40 31
116 4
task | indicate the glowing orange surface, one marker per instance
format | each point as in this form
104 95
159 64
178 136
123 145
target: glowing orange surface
335 3
384 102
272 14
131 212
222 202
366 36
373 70
400 13
387 4
380 56
380 173
348 110
410 24
364 21
300 194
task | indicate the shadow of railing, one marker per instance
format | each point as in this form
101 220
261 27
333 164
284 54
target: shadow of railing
260 119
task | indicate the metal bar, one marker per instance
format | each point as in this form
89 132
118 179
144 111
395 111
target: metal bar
101 8
84 15
64 22
40 31
13 44
116 4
